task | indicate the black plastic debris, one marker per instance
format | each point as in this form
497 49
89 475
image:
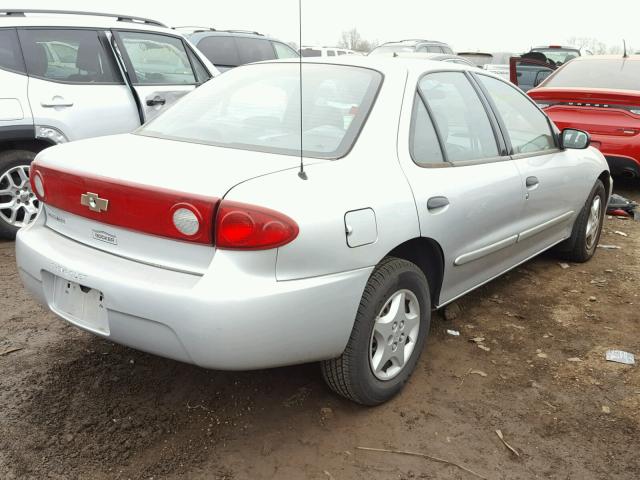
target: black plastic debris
622 207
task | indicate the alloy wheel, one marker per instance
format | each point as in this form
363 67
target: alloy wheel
394 335
18 204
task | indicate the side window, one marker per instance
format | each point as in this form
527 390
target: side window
220 50
202 74
459 115
157 59
425 148
254 50
284 51
448 50
434 49
331 53
528 127
10 55
341 52
73 56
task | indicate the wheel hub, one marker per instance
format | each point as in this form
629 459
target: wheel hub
394 335
18 205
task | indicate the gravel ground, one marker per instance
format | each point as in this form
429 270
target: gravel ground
75 406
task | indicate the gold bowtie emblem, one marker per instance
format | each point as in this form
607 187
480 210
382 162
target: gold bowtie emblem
94 202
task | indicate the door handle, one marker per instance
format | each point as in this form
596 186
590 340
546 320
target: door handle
436 203
157 100
532 182
56 101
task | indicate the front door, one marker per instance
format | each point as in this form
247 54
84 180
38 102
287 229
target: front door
468 192
550 177
161 68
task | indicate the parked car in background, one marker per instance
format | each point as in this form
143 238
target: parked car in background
438 57
559 54
227 259
315 51
66 76
601 95
228 49
412 46
496 63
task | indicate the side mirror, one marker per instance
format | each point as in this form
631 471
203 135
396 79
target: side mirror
575 139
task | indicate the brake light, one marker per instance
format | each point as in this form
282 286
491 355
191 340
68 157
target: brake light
142 208
248 227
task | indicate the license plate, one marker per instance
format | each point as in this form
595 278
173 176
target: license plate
80 305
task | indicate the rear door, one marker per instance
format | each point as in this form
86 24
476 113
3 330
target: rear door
552 183
75 84
15 113
160 68
468 192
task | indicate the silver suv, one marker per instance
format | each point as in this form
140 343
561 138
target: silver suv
71 75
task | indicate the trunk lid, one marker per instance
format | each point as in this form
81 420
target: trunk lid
599 112
143 178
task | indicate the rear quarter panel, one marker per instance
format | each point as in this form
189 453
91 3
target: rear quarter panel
368 177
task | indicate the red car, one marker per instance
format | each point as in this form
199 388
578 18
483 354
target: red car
600 95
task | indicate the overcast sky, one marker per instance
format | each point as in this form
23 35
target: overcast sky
486 25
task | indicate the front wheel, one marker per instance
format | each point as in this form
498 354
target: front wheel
388 335
18 204
588 226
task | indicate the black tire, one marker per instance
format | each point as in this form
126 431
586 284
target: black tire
10 159
577 248
351 375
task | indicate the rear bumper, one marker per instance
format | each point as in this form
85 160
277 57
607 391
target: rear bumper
226 319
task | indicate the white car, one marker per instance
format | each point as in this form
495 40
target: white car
205 237
316 51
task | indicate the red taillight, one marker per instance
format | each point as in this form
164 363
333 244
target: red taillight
248 227
146 209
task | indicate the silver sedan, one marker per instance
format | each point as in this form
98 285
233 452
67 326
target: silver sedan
206 236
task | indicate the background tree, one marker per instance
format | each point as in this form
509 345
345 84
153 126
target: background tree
352 40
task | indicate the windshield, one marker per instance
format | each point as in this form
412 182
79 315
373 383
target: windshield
613 73
392 49
478 59
257 107
559 56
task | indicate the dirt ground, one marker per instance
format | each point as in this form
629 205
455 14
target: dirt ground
75 406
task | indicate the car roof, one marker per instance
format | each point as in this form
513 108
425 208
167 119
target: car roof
598 58
556 47
382 63
413 41
200 34
81 20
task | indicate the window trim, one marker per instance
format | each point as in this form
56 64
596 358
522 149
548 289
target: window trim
102 41
127 60
417 99
501 157
503 126
21 58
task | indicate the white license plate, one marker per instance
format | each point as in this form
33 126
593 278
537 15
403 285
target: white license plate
80 305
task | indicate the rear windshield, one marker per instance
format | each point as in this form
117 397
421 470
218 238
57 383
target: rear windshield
559 56
257 107
393 49
613 73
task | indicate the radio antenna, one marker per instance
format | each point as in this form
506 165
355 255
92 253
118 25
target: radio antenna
302 174
624 43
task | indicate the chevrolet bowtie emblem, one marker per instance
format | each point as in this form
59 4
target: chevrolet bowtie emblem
94 202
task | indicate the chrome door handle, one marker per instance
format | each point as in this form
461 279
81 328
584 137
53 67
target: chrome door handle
56 102
532 182
436 203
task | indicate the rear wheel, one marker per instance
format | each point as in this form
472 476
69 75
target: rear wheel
18 204
388 335
586 231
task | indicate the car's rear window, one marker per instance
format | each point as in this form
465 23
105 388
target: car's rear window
396 48
559 56
257 107
612 73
